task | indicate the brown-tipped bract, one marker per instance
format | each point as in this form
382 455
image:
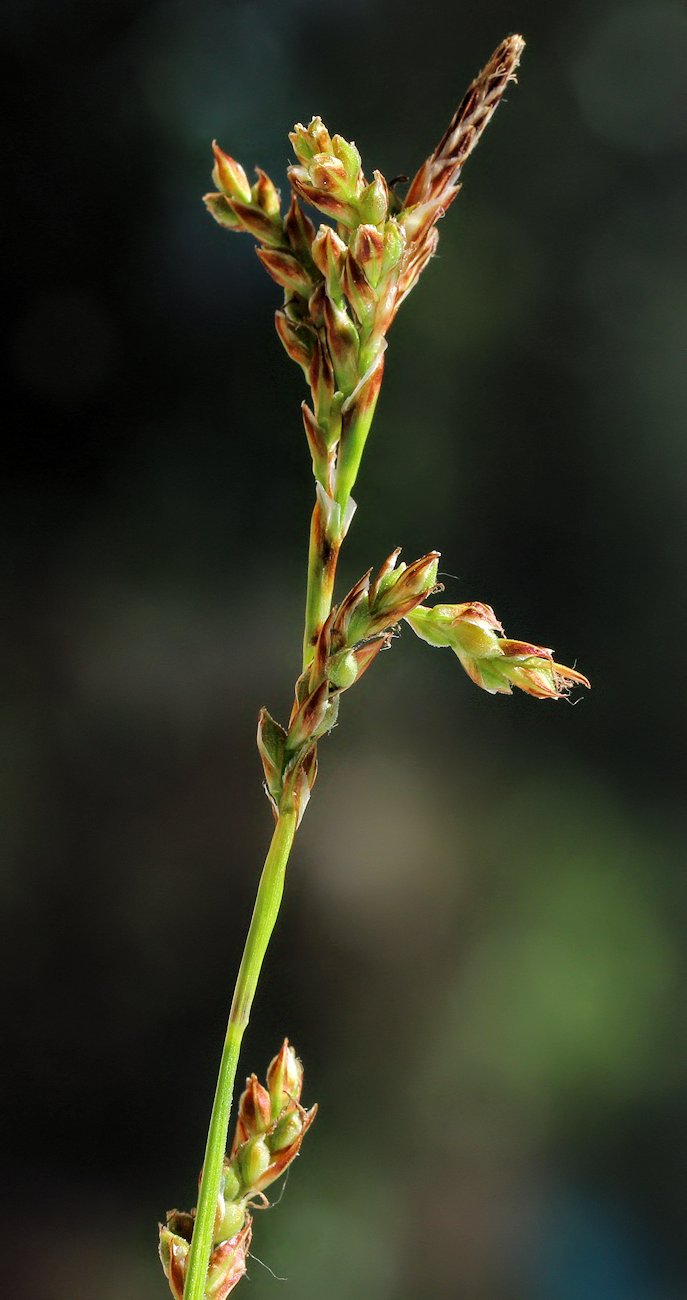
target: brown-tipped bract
284 1078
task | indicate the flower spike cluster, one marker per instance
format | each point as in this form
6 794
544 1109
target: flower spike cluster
344 282
270 1128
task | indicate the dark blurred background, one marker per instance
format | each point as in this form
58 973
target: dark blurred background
481 954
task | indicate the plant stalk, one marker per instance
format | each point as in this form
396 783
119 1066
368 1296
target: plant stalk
265 912
322 561
323 552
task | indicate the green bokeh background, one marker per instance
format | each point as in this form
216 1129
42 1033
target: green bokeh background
481 954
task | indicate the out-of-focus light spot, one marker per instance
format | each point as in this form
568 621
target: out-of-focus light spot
394 869
200 72
63 347
587 1251
571 986
630 77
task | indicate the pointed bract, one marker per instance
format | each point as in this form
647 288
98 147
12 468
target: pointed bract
220 208
329 255
271 742
373 204
299 231
229 176
268 230
266 195
284 1078
286 270
298 339
255 1108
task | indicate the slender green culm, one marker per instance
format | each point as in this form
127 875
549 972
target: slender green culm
343 283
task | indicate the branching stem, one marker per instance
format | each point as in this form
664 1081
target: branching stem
342 290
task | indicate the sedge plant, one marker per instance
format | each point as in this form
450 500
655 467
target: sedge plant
344 280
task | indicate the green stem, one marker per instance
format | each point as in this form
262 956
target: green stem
264 916
323 556
353 438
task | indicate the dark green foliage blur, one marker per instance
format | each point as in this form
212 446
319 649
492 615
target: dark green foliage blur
481 957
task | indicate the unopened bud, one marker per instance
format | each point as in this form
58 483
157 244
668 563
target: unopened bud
309 722
394 244
287 1129
355 603
268 230
321 379
342 337
298 339
231 1221
230 1184
253 1158
347 153
328 173
326 186
299 230
286 270
229 176
316 305
255 1111
284 1155
299 782
342 670
367 247
358 290
348 666
329 255
402 590
386 576
310 140
284 1078
387 306
317 442
474 639
265 194
374 200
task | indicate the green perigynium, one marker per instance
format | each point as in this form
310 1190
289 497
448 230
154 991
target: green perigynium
344 280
